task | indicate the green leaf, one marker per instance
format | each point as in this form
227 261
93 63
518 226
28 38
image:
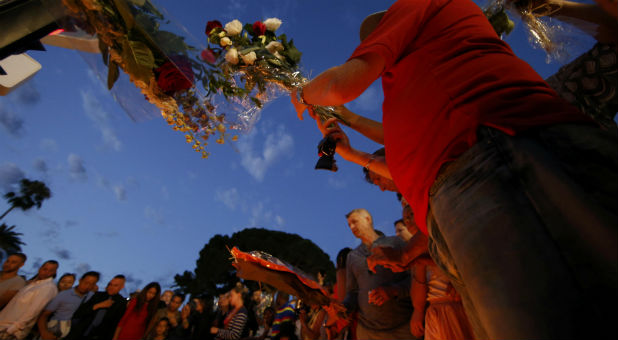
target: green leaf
170 42
257 102
139 60
248 28
125 13
112 75
142 54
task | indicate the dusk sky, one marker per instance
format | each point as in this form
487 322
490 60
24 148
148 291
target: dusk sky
132 197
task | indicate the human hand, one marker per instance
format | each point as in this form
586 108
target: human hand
298 106
380 295
184 313
331 128
417 327
386 256
104 304
214 330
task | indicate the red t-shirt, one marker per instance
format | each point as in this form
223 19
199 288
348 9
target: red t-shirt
447 72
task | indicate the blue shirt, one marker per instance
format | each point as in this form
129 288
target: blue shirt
64 305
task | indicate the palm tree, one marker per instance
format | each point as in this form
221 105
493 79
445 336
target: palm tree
10 240
33 193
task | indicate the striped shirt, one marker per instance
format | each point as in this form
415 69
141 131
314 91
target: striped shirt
235 327
284 314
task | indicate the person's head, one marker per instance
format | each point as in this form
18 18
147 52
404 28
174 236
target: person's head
150 296
237 295
381 181
269 316
167 296
408 219
87 282
162 327
342 257
402 231
321 276
13 263
175 302
369 24
224 301
282 299
115 285
256 296
66 281
361 224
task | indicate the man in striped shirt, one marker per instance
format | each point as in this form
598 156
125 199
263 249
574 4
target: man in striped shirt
285 312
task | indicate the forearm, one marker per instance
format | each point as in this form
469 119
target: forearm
365 126
607 30
42 323
6 297
418 289
375 164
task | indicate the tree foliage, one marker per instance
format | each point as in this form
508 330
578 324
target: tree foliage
10 240
214 272
31 194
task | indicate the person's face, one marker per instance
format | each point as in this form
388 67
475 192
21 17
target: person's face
48 270
151 293
235 298
167 296
408 219
257 296
161 327
402 232
199 307
175 303
383 182
224 300
114 286
12 264
66 283
360 224
269 317
86 284
281 300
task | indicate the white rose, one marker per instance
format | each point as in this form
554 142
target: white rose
249 58
274 46
232 56
272 24
225 41
233 27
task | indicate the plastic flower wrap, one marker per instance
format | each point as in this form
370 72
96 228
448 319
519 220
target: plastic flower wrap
203 92
542 31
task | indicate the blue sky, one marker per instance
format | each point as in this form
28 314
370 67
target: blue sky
134 198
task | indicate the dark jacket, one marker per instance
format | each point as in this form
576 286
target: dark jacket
84 317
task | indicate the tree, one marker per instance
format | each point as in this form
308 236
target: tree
10 240
214 272
33 193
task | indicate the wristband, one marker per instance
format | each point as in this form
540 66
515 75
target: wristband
371 158
299 96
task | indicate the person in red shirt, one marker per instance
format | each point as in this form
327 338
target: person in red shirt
491 159
139 313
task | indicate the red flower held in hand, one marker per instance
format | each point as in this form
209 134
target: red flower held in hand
259 28
175 75
208 56
211 25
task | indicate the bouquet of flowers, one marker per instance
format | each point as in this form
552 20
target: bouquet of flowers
242 68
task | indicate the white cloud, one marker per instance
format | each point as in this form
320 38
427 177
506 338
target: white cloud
154 215
229 197
77 170
276 145
40 165
10 175
100 117
120 192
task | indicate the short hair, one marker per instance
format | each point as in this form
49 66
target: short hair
398 221
360 210
379 232
91 273
342 257
119 276
67 274
181 296
22 256
379 152
51 262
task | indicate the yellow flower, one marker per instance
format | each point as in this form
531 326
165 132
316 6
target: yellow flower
235 138
220 140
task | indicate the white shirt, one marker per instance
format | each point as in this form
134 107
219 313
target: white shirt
21 313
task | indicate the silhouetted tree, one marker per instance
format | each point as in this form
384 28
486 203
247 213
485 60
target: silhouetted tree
214 272
32 193
10 240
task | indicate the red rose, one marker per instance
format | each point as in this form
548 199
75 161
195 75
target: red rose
259 28
175 75
211 25
208 56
